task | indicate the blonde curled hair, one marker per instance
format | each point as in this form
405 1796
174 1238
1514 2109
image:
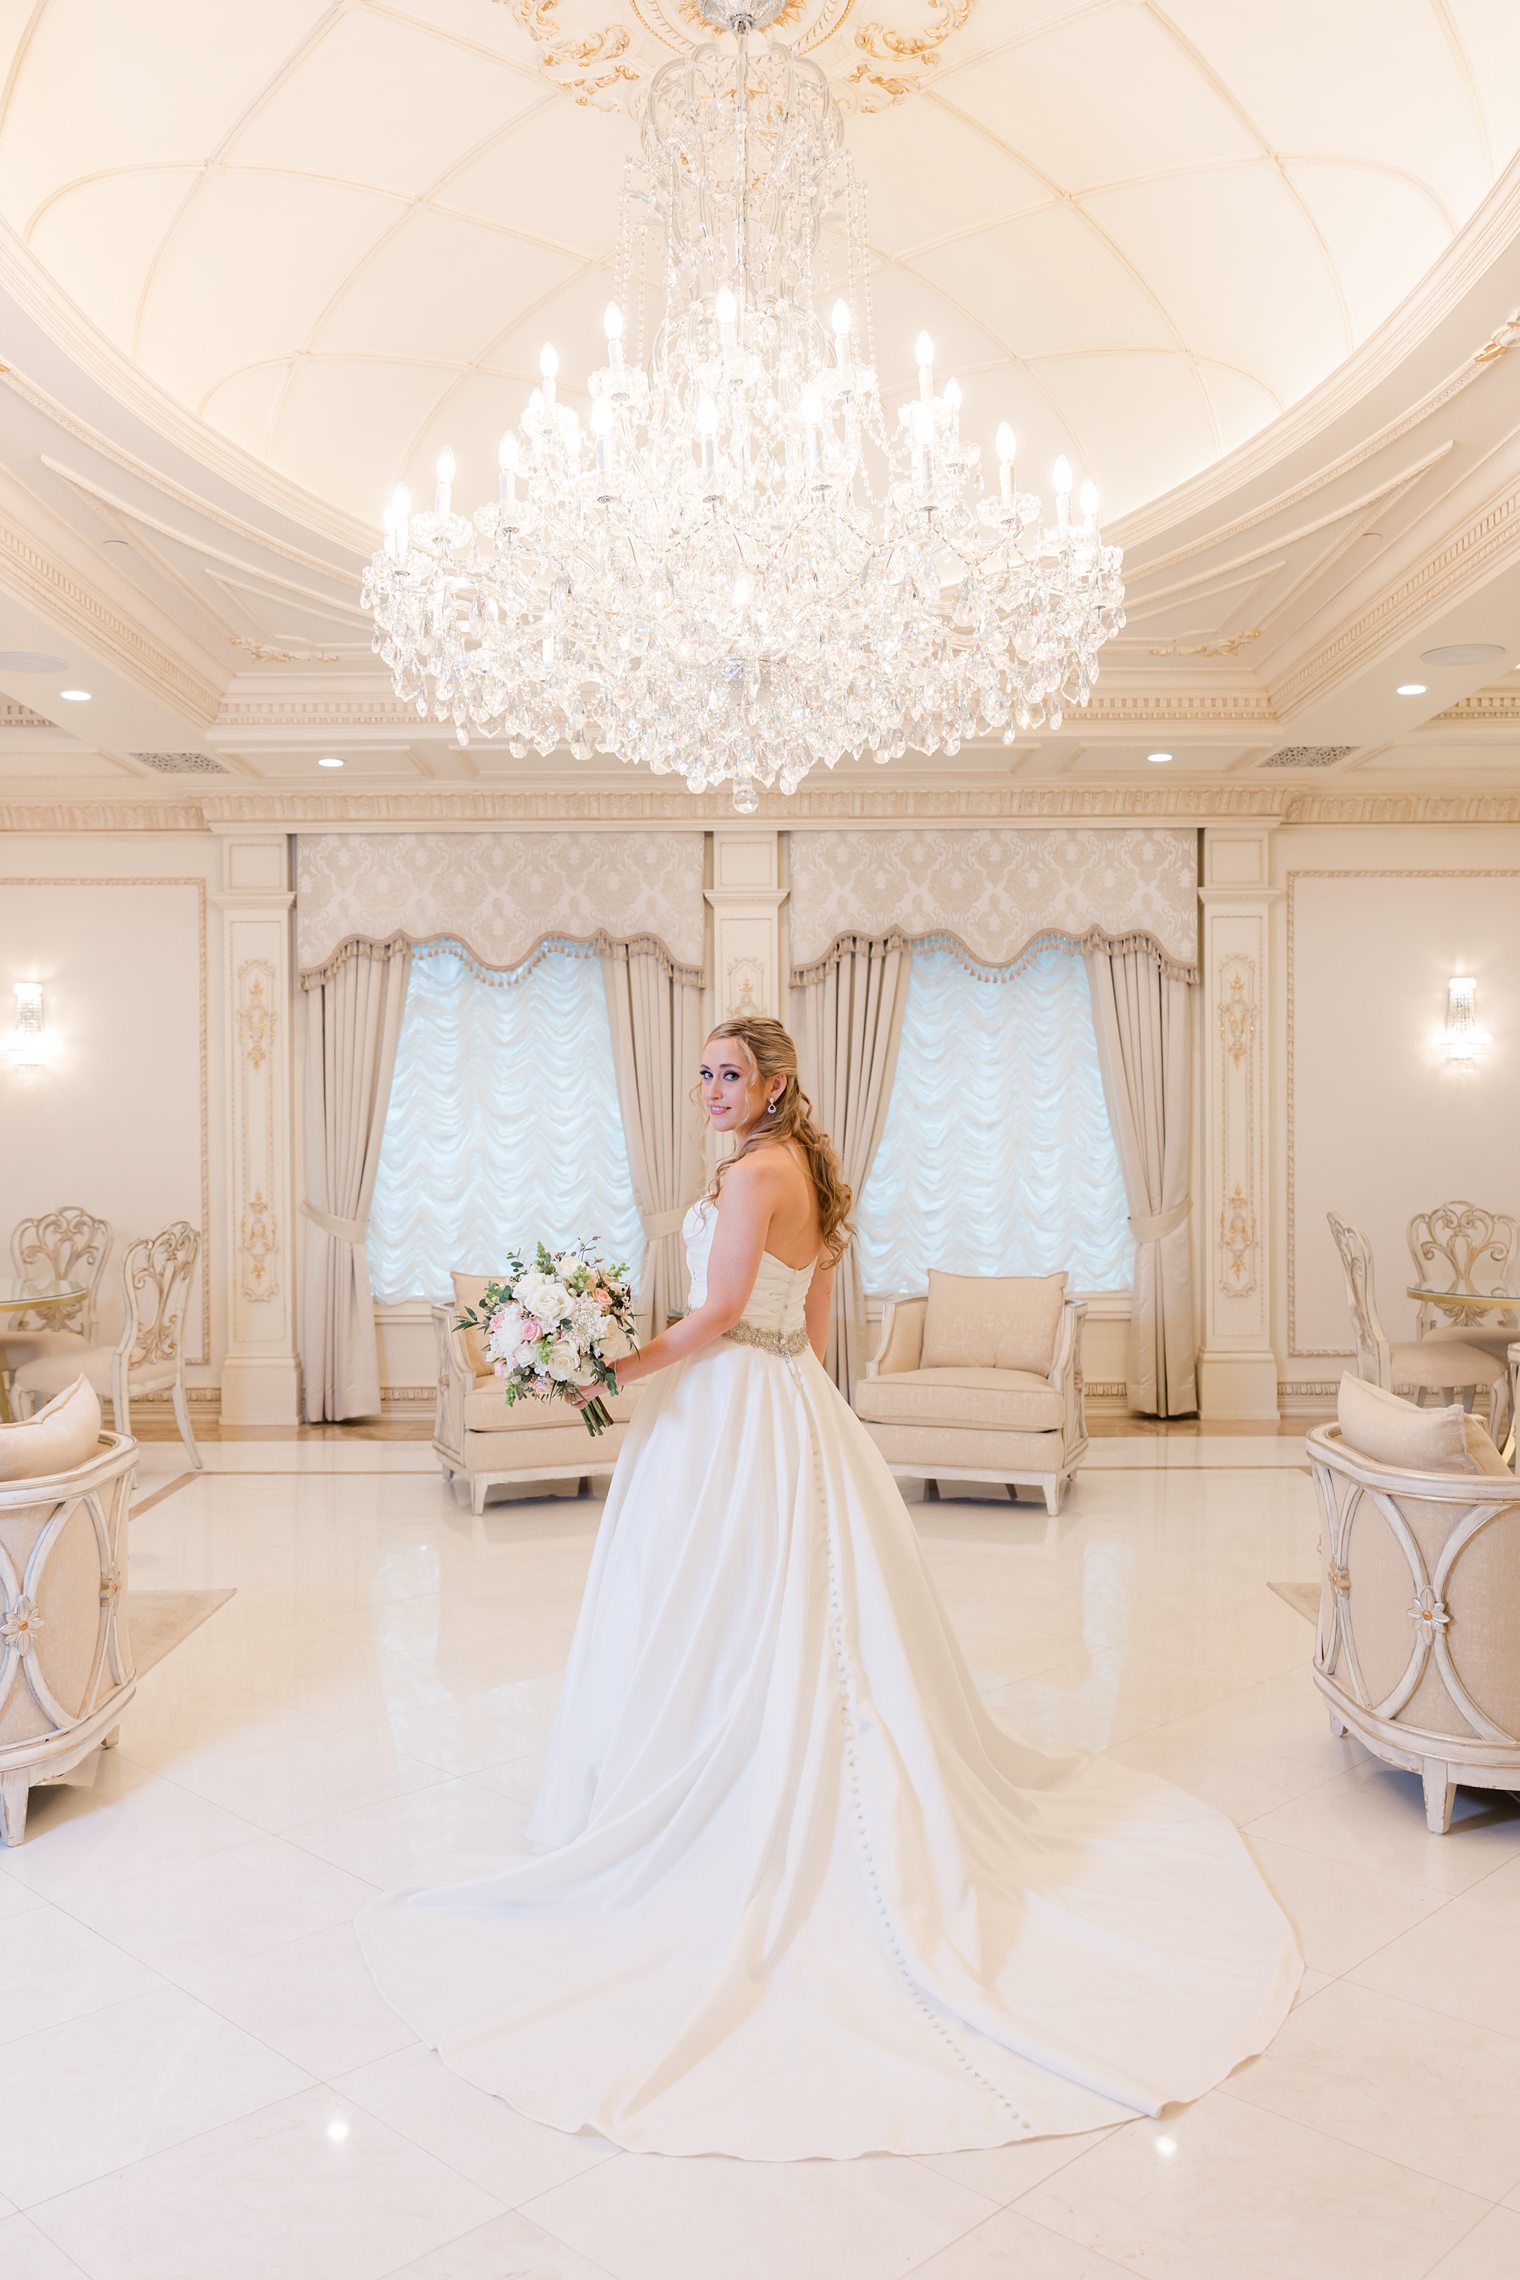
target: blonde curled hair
774 1055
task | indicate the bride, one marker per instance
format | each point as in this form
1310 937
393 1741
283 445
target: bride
793 1891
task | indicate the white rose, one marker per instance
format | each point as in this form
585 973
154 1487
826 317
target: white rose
586 1319
544 1297
565 1361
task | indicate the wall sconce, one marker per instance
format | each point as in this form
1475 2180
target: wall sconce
28 1040
1462 1040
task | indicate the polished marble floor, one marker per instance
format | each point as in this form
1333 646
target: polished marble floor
197 2081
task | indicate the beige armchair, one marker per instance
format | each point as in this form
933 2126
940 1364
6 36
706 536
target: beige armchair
477 1438
981 1380
157 1272
66 1671
1420 1595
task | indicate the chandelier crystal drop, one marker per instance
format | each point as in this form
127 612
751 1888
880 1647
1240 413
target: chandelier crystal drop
742 564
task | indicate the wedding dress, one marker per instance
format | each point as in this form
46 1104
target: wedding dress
794 1891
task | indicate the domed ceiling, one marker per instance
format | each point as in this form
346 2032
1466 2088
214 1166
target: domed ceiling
340 233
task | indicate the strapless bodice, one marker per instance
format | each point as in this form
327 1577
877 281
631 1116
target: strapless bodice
779 1297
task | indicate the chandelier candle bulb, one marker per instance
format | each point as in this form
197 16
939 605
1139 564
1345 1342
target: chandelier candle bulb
444 492
842 335
924 351
401 516
1007 451
1062 485
506 481
612 326
1089 505
548 368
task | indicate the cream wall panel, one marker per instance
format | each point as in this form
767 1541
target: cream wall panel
126 1117
1370 1120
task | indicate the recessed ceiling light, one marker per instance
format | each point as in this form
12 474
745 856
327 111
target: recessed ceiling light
1410 689
1464 653
1156 758
331 761
75 696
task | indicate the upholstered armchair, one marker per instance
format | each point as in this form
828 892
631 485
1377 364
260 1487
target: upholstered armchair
478 1439
1443 1365
1419 1608
66 1671
157 1272
66 1246
980 1380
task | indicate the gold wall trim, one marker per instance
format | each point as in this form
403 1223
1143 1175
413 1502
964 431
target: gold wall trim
1295 1352
198 887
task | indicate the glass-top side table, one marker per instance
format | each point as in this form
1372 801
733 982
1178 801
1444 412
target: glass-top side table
18 1296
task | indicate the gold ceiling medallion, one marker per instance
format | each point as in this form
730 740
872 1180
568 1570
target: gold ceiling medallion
869 66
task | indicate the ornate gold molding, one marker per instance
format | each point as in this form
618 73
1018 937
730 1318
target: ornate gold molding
257 1021
870 65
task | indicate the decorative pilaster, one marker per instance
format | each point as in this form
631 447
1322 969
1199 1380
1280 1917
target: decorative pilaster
260 1378
1237 1369
745 898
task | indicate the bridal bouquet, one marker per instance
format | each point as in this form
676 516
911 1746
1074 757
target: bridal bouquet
551 1327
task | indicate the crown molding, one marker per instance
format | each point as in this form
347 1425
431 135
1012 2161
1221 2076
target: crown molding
47 586
1472 252
67 326
14 715
1499 706
469 808
254 712
1489 542
100 815
179 494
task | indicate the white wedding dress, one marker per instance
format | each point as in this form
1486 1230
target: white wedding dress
793 1890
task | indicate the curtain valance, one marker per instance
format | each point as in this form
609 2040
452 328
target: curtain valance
500 894
994 896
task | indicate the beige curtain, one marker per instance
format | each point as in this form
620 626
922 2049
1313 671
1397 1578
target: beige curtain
852 1017
656 1015
1142 1017
353 1019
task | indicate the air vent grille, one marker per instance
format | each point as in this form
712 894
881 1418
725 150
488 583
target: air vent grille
1310 756
182 763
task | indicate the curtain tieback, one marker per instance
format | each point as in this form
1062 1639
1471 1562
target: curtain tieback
658 1223
1154 1227
342 1230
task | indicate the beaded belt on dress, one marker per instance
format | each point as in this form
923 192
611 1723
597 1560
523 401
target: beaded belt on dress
773 1341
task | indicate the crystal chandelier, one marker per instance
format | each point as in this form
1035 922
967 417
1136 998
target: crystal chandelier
743 564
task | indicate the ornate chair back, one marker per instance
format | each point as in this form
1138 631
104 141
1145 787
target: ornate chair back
1374 1359
68 1245
156 1275
1462 1247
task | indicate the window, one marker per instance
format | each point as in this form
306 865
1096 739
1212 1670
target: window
503 1124
997 1157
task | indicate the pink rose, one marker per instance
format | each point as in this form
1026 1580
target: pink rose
531 1330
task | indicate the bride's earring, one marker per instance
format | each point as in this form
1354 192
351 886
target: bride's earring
771 1106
